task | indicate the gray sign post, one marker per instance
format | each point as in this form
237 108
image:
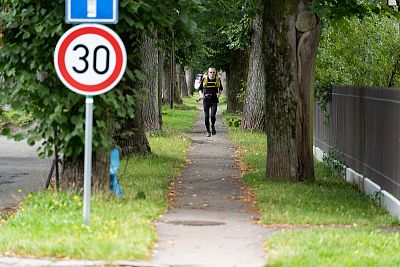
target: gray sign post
87 180
96 72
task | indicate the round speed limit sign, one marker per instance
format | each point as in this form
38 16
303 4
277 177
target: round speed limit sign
90 59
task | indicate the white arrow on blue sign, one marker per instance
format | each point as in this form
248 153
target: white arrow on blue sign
91 11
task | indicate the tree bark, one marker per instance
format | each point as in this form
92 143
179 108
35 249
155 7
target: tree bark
130 138
72 172
167 82
181 80
177 88
254 102
224 82
189 75
291 36
134 140
149 66
161 84
237 76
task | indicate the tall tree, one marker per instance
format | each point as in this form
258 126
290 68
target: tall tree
291 34
236 79
150 109
180 73
167 80
189 75
254 102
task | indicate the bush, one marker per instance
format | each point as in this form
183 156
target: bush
357 51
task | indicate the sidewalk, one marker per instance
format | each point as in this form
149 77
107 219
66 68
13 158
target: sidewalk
209 223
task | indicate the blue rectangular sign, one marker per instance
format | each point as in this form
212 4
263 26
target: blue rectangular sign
96 11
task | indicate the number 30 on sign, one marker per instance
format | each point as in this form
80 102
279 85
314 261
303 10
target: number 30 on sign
90 59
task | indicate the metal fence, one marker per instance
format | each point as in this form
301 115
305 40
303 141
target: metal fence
364 124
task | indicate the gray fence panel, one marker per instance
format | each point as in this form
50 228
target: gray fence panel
373 128
339 135
390 137
364 123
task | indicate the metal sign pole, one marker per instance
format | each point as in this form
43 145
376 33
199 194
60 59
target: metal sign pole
88 159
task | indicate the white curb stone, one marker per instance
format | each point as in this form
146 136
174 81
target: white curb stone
319 154
390 203
352 177
371 189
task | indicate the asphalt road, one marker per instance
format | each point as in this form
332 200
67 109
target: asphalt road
21 171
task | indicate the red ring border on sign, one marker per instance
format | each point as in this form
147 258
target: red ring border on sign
73 84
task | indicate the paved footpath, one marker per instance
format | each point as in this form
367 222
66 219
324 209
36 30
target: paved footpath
209 223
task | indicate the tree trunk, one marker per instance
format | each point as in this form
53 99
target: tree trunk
136 142
181 80
254 102
236 80
72 172
150 109
224 82
130 138
161 84
291 35
177 88
189 75
167 82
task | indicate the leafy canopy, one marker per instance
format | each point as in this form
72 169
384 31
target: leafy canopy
31 29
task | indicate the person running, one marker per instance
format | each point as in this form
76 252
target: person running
210 90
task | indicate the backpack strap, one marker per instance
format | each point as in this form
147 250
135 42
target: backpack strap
218 80
205 80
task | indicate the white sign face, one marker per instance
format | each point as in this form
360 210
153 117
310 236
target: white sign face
90 59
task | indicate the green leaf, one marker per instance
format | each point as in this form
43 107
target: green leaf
5 131
18 137
39 28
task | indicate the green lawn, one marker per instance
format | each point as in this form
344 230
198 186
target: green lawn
336 224
50 224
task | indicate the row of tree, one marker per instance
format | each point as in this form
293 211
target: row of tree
266 47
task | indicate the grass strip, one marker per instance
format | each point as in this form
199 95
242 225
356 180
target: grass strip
50 224
350 224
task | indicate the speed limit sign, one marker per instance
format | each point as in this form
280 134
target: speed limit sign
90 59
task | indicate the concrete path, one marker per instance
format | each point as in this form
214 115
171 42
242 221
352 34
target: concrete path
209 223
20 169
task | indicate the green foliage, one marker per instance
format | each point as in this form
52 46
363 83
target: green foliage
222 26
333 163
3 116
31 30
337 9
242 92
239 33
357 52
233 120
